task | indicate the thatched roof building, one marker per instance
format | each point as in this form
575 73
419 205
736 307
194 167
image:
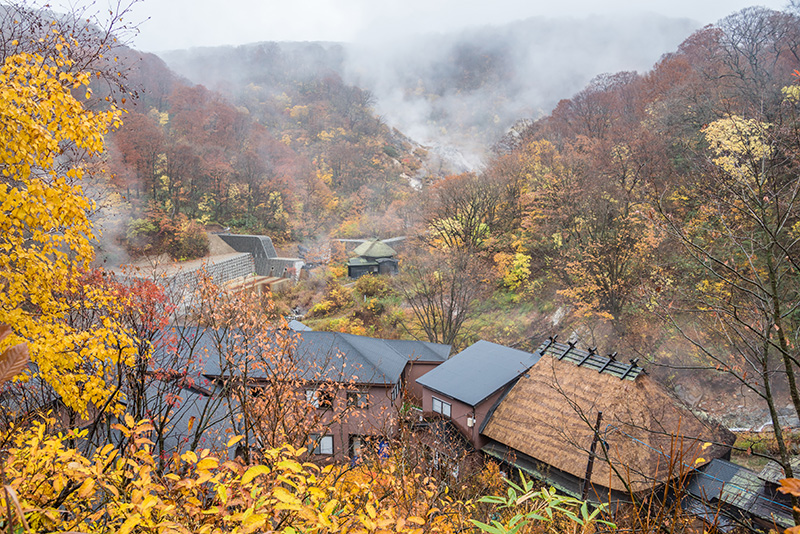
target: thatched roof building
547 419
372 257
374 248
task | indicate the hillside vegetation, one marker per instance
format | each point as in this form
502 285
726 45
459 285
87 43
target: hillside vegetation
652 214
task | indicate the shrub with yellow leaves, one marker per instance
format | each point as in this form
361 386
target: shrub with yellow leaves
45 230
120 490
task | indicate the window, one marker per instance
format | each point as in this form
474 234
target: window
358 399
358 446
319 398
439 406
257 391
397 389
321 444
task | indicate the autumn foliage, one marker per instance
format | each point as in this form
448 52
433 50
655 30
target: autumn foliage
45 231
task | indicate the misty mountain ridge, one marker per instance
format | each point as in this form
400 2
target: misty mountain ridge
458 90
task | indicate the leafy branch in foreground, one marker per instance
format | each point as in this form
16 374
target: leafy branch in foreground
544 505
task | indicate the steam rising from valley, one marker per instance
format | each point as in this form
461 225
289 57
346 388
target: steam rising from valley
460 90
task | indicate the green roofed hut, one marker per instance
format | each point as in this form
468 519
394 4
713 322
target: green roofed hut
372 257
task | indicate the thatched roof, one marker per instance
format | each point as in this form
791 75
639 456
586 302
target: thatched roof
550 413
374 248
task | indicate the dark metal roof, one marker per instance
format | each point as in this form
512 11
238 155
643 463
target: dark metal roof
478 371
190 415
421 351
260 246
569 352
740 488
562 481
320 356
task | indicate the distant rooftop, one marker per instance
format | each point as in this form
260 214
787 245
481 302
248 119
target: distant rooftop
375 248
297 326
334 356
740 487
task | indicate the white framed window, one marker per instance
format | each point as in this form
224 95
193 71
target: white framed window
319 399
321 444
440 406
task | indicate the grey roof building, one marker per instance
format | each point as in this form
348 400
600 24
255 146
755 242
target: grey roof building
357 381
466 387
477 372
339 357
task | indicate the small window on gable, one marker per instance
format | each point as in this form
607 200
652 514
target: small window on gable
441 407
358 399
321 444
397 389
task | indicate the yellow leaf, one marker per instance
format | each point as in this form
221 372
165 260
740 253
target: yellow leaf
290 465
253 472
208 463
285 496
86 488
130 524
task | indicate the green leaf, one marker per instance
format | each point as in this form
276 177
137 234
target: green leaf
498 529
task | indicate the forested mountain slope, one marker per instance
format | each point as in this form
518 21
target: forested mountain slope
292 165
661 208
460 89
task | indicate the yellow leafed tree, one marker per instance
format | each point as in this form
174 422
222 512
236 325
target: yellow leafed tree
45 230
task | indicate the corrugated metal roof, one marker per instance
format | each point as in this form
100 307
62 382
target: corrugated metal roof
478 371
741 488
773 471
563 482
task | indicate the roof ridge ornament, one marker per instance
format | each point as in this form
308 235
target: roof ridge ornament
569 348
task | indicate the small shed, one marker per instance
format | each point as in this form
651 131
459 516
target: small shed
372 257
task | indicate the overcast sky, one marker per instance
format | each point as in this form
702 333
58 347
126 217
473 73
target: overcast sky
174 24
